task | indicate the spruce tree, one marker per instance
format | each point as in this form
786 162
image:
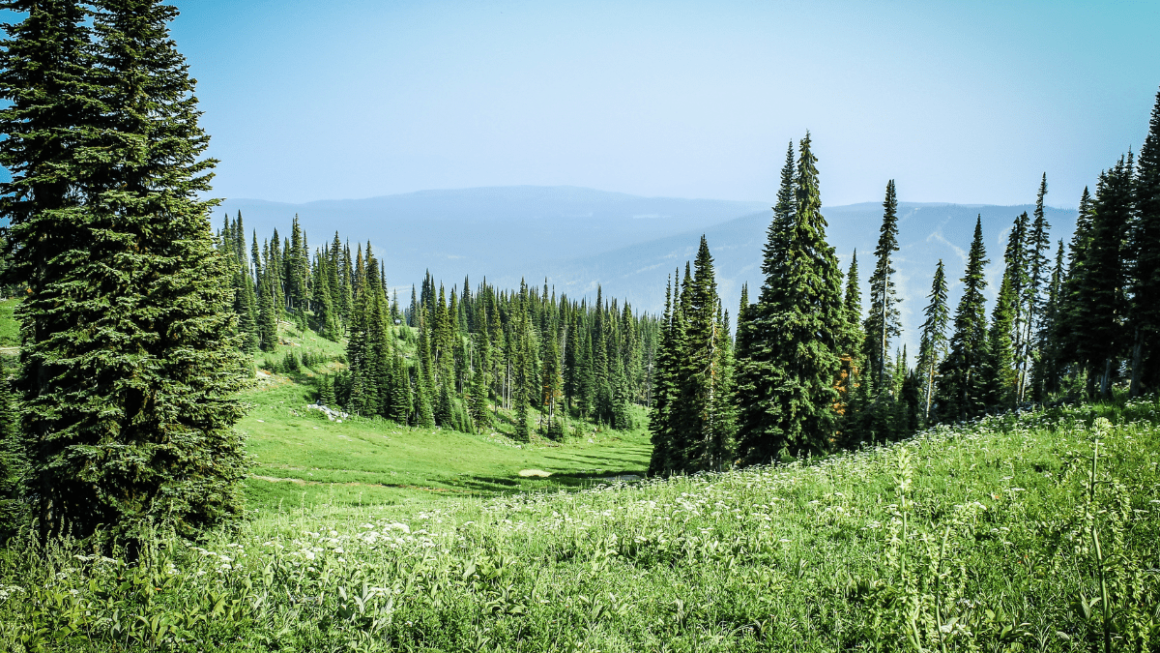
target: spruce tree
1048 369
551 382
1098 320
932 346
267 315
709 437
961 391
1000 376
882 322
853 339
1037 275
129 389
664 392
784 392
1145 273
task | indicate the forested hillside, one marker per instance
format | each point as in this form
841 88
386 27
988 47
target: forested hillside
450 358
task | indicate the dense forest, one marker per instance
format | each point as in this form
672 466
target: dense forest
450 359
808 374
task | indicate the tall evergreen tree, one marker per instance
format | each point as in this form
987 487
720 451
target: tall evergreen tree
883 321
1145 274
267 314
1098 320
932 346
1000 376
664 393
130 417
1049 368
784 391
961 391
1038 274
710 439
852 342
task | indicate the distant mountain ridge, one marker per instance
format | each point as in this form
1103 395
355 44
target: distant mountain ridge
579 238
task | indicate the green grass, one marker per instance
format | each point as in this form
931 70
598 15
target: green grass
371 461
977 538
300 458
9 327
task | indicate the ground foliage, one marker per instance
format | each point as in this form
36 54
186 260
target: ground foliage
977 537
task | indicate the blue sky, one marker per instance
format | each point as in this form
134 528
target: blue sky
960 102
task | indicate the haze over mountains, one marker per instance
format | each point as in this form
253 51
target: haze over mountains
578 238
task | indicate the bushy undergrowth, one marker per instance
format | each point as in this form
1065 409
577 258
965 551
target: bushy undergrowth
997 535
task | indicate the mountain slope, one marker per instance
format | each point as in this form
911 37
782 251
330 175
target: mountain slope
503 233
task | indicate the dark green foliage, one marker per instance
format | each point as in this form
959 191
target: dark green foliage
693 412
852 358
326 391
1038 273
787 369
130 417
962 390
1071 297
1017 263
883 320
665 390
13 458
1000 377
932 346
1097 320
1145 253
1049 366
267 328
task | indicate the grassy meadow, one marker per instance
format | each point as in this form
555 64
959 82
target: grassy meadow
1008 534
301 458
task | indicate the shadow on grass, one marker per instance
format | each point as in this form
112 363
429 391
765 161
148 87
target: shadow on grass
570 481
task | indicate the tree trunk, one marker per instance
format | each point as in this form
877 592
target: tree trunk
929 387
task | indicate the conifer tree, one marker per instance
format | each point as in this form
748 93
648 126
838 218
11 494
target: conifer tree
479 384
1145 274
709 436
402 399
1037 275
1000 376
551 382
1016 258
1098 320
961 391
130 416
853 339
267 315
664 392
785 394
1049 368
882 322
932 346
1071 297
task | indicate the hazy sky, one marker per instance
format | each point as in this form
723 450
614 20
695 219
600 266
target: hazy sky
960 102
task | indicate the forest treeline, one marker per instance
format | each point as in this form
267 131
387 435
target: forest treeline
808 373
448 358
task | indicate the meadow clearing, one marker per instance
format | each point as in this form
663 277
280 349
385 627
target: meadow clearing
1006 534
